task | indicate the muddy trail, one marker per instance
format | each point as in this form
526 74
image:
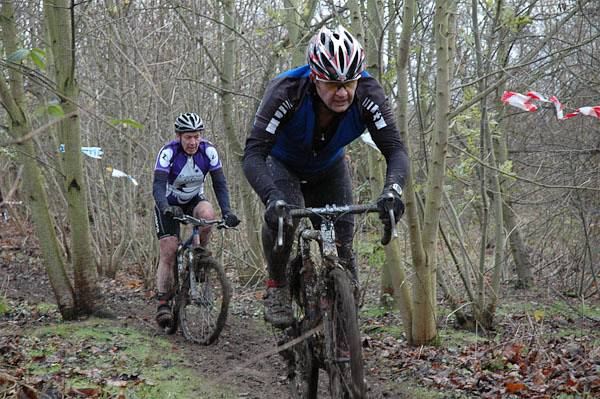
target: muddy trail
545 344
243 360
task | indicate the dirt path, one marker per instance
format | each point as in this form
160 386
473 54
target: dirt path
237 360
241 340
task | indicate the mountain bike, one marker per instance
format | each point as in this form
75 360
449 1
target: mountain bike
325 334
202 292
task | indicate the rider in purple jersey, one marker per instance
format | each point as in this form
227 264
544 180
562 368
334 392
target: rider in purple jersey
295 151
181 168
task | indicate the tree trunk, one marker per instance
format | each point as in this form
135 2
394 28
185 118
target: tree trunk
59 17
424 288
13 99
517 244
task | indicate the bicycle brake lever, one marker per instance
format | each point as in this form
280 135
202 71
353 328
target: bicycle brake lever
389 207
393 222
279 207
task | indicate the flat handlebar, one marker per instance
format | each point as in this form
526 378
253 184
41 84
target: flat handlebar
187 219
333 211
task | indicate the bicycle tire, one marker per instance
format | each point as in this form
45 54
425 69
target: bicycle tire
172 327
303 369
343 358
202 318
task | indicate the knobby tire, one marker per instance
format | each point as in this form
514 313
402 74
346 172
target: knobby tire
203 318
344 360
303 369
172 327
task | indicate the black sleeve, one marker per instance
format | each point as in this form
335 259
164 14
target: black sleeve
159 189
258 147
275 109
219 184
382 126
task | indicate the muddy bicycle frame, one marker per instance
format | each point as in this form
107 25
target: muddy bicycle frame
323 292
194 325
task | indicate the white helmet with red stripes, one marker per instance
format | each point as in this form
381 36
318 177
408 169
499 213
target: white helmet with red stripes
335 55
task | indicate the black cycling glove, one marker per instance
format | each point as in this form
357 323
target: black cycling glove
390 196
230 219
272 213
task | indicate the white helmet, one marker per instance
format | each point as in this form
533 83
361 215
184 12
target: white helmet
335 55
188 122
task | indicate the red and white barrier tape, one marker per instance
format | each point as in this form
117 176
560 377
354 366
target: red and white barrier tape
524 102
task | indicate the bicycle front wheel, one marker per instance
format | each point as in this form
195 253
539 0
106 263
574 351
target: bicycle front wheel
203 313
303 370
343 358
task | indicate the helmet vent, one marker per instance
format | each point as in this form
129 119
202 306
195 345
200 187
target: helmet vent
335 55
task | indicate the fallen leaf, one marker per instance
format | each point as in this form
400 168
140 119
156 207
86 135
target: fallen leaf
512 387
88 392
538 378
116 383
27 393
538 315
132 284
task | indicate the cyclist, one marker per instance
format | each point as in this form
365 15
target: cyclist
178 188
295 151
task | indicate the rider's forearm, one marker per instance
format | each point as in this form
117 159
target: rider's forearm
396 157
159 189
397 167
219 183
255 167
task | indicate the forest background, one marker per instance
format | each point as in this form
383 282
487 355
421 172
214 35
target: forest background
498 199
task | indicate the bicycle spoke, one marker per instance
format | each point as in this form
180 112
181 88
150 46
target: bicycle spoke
204 314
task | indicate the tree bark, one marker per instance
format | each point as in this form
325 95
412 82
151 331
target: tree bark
13 100
60 19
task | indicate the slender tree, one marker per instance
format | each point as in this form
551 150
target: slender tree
60 20
13 101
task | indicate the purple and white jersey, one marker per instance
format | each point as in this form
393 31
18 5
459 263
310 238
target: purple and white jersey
186 172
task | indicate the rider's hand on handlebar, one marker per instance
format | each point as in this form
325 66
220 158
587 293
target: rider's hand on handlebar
390 199
173 211
272 213
230 219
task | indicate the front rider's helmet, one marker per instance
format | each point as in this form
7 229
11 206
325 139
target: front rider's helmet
188 122
335 55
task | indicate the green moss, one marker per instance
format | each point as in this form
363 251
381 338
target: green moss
373 311
451 337
4 308
96 351
410 390
393 331
509 309
562 309
46 308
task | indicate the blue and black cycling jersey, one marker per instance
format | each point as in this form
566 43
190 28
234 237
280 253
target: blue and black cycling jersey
285 128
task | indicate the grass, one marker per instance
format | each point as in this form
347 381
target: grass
4 308
95 353
46 308
411 390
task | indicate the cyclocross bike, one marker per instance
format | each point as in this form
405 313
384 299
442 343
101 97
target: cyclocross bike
325 334
203 292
